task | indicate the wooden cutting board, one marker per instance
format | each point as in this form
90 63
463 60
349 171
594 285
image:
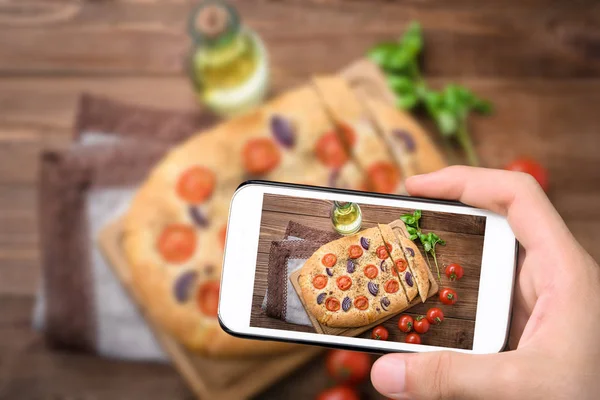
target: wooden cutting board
218 379
399 229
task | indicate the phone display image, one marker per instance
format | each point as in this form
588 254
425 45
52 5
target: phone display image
368 271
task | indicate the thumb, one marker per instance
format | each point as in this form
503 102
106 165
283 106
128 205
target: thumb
444 375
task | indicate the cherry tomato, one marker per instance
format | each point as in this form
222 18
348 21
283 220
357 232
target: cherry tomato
339 393
384 177
348 134
329 260
355 251
344 282
401 264
383 251
208 298
223 236
260 155
532 168
330 150
421 324
391 286
454 272
448 296
413 338
405 323
319 281
349 367
435 316
371 271
332 304
361 302
380 333
176 243
196 184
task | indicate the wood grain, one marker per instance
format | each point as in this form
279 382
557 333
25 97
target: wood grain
464 248
537 60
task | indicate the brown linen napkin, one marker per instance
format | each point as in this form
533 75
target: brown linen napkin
285 257
81 304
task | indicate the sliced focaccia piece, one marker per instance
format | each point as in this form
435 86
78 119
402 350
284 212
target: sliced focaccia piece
359 134
416 263
411 147
400 263
346 284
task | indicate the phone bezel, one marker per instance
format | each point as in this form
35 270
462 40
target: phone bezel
490 335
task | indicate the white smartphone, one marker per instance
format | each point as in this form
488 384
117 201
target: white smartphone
319 266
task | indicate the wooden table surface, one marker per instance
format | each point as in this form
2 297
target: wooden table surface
537 60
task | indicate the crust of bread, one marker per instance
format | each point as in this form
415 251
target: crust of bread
417 265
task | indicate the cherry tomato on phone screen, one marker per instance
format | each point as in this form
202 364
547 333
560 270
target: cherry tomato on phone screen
421 324
405 323
339 393
413 338
435 316
348 367
380 333
454 272
532 168
448 296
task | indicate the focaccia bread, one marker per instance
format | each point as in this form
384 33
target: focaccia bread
175 229
352 281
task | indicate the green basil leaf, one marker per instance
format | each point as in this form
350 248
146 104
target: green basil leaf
413 237
381 53
482 106
427 247
411 230
417 214
401 84
447 123
407 101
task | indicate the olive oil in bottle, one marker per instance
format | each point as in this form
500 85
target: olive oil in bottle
228 61
346 217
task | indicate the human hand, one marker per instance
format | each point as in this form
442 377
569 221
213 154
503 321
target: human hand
554 337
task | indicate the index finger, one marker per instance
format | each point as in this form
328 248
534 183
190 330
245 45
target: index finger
513 194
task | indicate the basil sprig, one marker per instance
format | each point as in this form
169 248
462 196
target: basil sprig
428 240
449 108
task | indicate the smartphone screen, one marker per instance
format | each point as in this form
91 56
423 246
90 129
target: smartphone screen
377 272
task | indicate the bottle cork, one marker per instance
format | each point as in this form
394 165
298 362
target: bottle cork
212 21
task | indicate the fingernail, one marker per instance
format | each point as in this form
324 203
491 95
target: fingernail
389 376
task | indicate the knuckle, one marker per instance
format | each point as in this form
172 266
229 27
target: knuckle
441 367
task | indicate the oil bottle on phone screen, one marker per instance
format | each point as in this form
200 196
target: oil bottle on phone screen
346 217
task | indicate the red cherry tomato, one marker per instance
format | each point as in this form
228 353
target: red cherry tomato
384 177
380 333
339 393
355 251
196 184
329 260
320 281
421 324
435 316
405 323
413 338
208 298
532 168
260 156
176 243
344 282
448 296
371 271
330 150
454 272
348 367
